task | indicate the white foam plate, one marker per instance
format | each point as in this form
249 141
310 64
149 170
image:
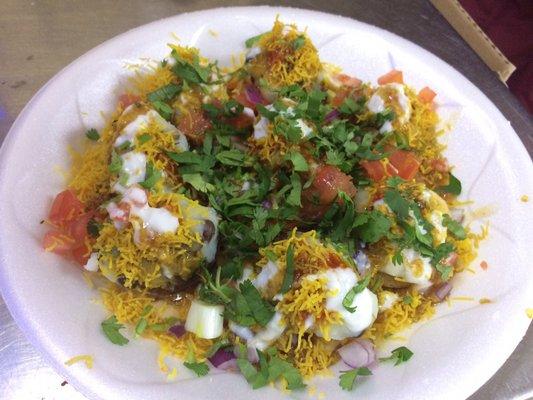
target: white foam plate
455 353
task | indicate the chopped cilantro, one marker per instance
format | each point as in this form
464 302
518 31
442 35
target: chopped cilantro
92 134
347 378
350 296
455 228
251 42
190 72
231 157
111 329
399 355
199 368
407 299
145 137
271 368
152 176
298 43
116 163
164 93
372 226
397 203
198 182
143 322
248 307
294 197
163 109
453 187
298 161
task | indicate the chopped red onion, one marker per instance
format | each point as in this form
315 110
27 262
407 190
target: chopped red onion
253 94
443 291
224 359
267 204
358 353
332 115
177 330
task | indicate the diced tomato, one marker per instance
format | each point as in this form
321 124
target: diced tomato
125 100
328 182
426 95
81 254
405 162
78 228
339 97
401 163
377 170
393 76
349 81
70 220
58 242
65 208
193 124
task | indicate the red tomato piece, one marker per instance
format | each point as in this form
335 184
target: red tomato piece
405 162
426 95
81 254
393 76
349 81
78 228
57 242
65 208
125 100
339 98
376 170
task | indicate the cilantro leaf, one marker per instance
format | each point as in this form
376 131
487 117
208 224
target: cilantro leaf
191 72
289 270
347 378
163 109
453 187
145 137
399 355
116 163
111 329
262 310
164 93
294 197
142 323
92 134
199 368
372 226
152 176
231 157
271 368
198 182
298 43
455 228
298 161
350 295
397 203
251 42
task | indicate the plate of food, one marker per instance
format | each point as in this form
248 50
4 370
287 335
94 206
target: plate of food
293 205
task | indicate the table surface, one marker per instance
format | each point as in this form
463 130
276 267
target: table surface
41 37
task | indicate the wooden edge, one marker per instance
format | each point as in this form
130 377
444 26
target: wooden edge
470 31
